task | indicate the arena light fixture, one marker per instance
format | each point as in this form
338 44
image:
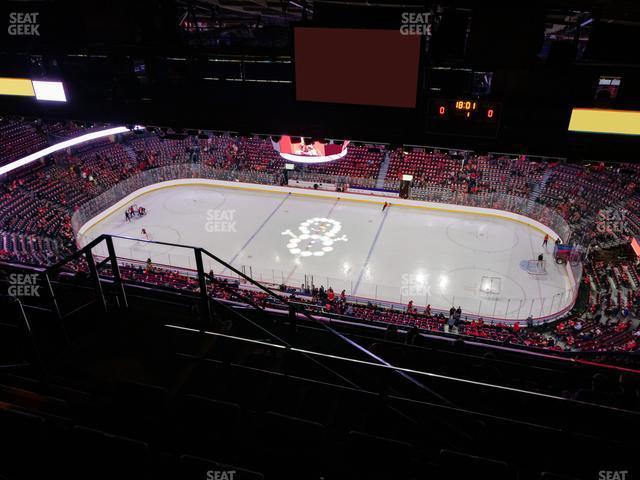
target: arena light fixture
596 120
21 87
40 89
87 137
51 91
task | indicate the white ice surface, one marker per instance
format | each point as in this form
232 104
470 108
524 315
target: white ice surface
402 254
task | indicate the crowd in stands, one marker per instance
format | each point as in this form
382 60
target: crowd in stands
598 201
587 332
63 129
18 139
428 168
360 161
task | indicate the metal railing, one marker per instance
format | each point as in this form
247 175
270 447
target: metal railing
96 277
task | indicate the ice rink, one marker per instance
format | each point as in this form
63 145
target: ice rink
401 254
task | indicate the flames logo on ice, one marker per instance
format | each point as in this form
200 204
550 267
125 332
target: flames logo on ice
317 236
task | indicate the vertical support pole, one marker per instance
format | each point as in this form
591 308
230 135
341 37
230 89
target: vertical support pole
202 282
56 307
27 326
116 272
96 278
52 295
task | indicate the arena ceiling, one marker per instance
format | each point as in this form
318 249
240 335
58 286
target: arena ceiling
272 11
624 12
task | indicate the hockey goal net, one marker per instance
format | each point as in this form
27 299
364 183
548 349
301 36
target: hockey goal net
535 267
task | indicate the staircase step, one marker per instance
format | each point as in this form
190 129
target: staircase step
384 168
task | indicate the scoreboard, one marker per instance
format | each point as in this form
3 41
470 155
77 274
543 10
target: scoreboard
463 116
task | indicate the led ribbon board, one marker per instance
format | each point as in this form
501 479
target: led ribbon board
595 120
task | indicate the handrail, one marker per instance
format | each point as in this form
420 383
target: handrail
493 386
334 332
86 251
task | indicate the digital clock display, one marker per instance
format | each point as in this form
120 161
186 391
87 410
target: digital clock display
466 105
463 116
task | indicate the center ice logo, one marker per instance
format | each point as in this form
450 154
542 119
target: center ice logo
317 236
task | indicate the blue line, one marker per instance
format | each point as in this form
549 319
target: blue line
256 232
373 244
333 206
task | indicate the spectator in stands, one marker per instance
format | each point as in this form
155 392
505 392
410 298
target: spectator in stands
451 323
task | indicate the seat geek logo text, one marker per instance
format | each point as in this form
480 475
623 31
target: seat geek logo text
613 475
24 24
23 285
412 23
